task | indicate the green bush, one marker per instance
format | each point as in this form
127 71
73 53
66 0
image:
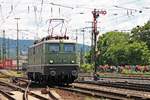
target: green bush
86 67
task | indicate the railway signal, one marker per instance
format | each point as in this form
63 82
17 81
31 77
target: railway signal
96 13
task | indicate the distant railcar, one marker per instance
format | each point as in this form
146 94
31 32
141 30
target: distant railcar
53 61
6 64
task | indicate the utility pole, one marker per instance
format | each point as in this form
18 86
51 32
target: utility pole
0 53
76 36
92 38
8 55
4 49
95 33
83 53
17 44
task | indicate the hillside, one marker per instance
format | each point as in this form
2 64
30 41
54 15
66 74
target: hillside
24 44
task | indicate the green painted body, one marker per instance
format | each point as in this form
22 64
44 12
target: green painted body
45 63
42 55
61 57
42 62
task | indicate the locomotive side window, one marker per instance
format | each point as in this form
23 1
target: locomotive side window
69 47
54 47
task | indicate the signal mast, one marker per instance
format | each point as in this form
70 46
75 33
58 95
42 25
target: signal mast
96 13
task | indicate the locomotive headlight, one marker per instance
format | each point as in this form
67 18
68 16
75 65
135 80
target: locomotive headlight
72 61
51 61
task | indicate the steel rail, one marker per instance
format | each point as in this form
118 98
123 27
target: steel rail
52 95
23 90
125 85
7 95
98 93
123 77
113 93
25 95
117 77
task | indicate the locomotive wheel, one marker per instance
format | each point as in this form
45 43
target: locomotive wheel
30 76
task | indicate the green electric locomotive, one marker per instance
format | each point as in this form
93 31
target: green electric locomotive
54 60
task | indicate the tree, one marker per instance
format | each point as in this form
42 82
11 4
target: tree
141 33
138 53
108 42
116 55
117 49
88 56
111 38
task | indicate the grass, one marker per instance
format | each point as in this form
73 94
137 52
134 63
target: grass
10 73
5 79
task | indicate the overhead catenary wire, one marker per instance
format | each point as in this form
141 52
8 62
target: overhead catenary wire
9 14
61 5
2 18
40 15
40 3
36 22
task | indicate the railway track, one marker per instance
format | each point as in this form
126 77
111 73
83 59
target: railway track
125 85
83 75
130 78
129 91
26 93
7 95
107 92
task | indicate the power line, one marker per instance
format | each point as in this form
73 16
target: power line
10 13
127 8
61 5
40 18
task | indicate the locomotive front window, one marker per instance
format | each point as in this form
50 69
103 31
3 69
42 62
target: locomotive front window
69 47
54 47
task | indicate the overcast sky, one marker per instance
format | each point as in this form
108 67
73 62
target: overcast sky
121 15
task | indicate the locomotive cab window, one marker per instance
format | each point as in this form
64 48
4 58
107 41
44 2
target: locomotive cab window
69 47
54 47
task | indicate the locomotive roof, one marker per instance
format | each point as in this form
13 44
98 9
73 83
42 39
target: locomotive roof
53 41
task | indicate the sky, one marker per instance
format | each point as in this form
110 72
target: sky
122 15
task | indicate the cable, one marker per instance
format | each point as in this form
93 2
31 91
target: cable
61 5
1 13
10 13
40 18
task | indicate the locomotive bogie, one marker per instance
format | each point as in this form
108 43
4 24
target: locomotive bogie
55 75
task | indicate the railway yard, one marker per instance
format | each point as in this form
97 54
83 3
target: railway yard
119 88
74 50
